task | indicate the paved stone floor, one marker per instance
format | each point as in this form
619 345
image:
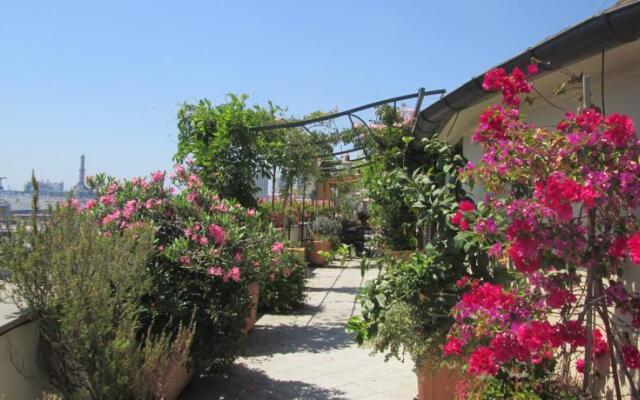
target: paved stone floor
308 355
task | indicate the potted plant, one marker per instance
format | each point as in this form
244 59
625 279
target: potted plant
324 233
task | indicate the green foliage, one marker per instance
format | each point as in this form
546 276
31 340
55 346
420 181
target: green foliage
530 387
83 288
406 309
284 287
227 153
325 228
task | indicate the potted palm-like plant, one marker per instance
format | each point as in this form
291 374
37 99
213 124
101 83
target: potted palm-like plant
324 233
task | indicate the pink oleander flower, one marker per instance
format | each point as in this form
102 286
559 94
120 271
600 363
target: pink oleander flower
215 271
157 176
277 247
90 204
194 181
251 212
217 233
633 247
185 260
234 274
287 272
203 241
192 196
238 257
108 200
130 208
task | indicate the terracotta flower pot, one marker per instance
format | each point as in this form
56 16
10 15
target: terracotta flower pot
299 250
177 378
437 385
254 294
400 254
316 246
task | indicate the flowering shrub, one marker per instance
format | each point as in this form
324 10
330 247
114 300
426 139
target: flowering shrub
559 202
283 288
207 251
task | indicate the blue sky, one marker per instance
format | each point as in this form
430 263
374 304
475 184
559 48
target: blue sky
106 79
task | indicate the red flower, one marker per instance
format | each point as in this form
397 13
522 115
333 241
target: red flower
631 356
558 298
580 365
633 247
483 362
532 69
525 255
453 346
618 246
466 206
620 130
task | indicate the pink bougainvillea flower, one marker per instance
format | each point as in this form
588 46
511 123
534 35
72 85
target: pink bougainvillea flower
580 365
453 346
483 362
466 206
558 298
524 253
277 247
633 247
217 233
532 69
631 356
620 130
618 247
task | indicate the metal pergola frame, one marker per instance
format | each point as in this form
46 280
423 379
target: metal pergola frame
351 114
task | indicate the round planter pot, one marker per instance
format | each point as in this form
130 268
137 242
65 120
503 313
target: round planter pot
177 378
316 246
437 384
299 250
250 320
400 254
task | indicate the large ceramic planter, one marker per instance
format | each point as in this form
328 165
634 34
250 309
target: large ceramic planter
316 246
176 379
437 384
250 320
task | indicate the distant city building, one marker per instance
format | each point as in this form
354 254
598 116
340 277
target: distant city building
262 182
51 194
